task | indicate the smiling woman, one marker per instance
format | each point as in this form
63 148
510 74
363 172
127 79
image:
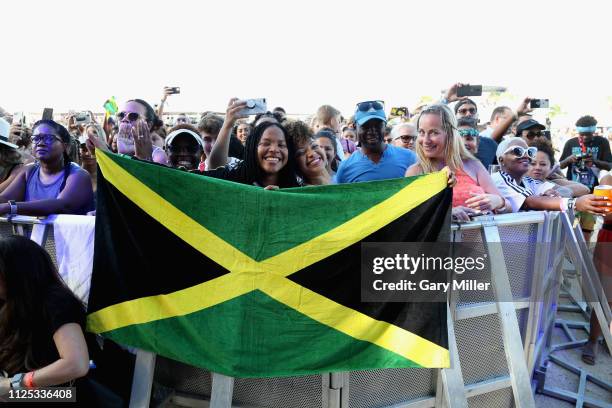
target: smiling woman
438 145
269 159
525 193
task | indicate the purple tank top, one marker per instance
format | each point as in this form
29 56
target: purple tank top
37 190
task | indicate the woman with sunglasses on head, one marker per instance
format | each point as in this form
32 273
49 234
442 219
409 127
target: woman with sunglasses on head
439 145
525 193
53 185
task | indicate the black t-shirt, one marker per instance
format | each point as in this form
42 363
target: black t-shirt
598 147
227 172
60 310
234 172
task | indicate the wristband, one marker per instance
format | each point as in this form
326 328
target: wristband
563 205
28 380
13 207
17 381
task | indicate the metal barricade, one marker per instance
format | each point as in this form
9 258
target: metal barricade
494 345
489 351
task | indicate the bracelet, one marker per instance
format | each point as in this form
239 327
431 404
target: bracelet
28 380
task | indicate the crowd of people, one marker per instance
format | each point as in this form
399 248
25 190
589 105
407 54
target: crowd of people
508 166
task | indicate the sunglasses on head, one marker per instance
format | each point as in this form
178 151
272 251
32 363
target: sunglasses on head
520 151
368 105
131 116
469 132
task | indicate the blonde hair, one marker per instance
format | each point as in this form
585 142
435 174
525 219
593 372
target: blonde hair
455 152
325 114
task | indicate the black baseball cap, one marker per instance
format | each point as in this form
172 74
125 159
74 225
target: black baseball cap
529 124
463 102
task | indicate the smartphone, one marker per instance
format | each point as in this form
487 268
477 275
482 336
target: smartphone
400 111
469 90
174 89
19 119
47 114
255 107
538 103
82 118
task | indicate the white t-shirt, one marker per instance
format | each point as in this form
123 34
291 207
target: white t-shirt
516 194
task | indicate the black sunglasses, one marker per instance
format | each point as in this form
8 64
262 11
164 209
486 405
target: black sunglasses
407 138
367 105
532 134
467 110
131 116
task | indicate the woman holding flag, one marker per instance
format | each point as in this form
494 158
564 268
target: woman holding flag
438 145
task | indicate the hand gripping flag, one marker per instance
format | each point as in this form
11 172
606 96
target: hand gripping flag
255 283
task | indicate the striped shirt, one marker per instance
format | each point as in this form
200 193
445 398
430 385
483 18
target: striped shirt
517 193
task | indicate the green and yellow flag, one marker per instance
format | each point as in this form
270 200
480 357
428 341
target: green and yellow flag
255 283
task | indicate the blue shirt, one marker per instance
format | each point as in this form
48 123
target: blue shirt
358 167
487 148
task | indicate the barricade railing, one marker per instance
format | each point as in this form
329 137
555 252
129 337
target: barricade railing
494 344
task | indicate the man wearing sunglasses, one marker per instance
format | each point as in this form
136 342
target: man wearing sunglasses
376 160
466 108
524 193
530 130
404 135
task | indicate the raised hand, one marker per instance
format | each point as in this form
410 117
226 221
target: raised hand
143 145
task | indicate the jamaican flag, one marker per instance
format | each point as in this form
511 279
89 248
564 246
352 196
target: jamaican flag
255 283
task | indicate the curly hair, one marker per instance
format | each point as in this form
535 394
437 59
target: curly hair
586 121
299 132
544 146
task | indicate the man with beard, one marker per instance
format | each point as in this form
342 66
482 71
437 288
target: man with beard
376 160
501 120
